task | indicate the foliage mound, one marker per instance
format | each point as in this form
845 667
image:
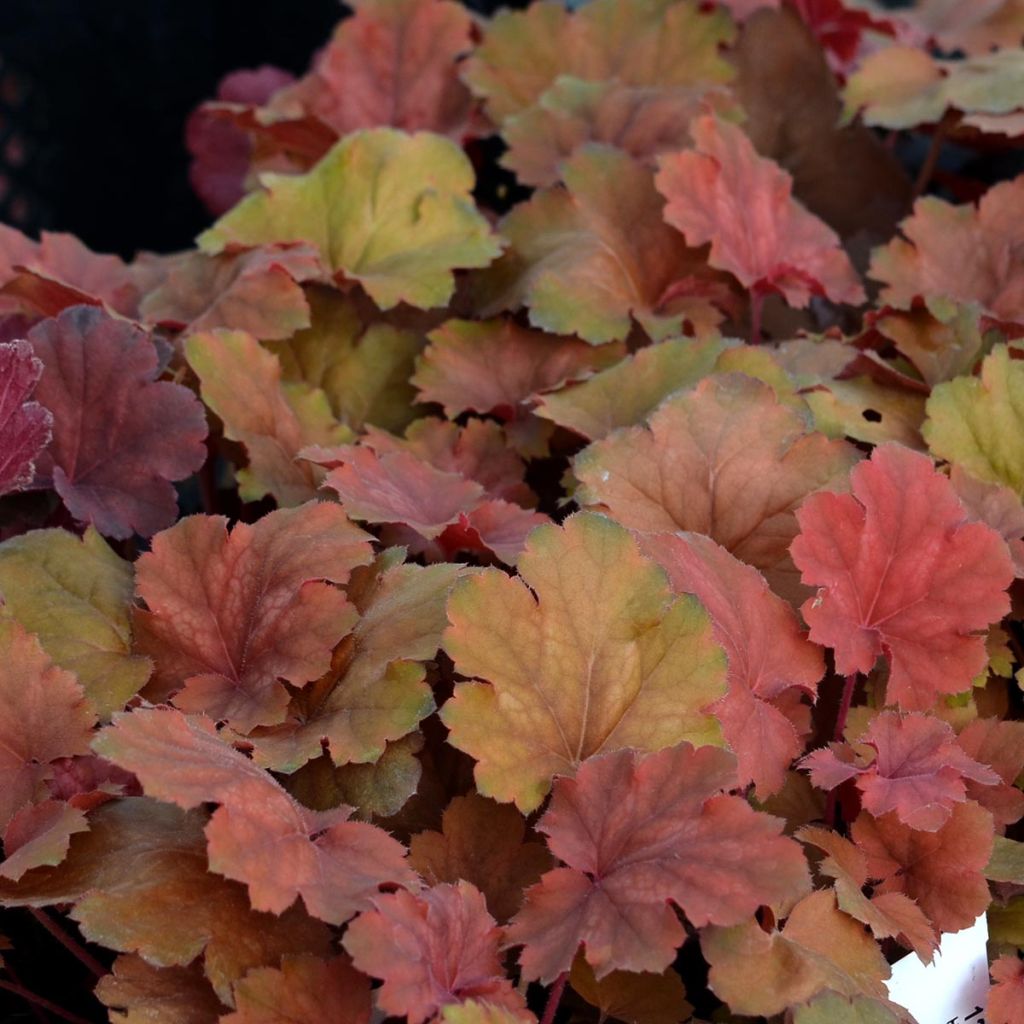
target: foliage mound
550 551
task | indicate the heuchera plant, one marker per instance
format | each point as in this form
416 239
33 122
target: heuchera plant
573 584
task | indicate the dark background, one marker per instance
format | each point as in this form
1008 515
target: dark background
94 96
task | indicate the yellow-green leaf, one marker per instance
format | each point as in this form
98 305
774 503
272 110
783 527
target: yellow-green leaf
587 652
978 422
390 210
75 594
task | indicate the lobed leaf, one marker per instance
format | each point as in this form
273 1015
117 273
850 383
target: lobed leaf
902 573
75 595
140 883
926 262
229 615
771 663
389 210
640 833
917 771
975 422
303 990
591 257
431 950
638 42
25 426
722 192
241 382
586 652
120 436
259 835
44 715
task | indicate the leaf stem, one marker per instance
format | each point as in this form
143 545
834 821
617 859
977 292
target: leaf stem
30 997
37 1011
76 949
849 685
931 160
554 998
756 307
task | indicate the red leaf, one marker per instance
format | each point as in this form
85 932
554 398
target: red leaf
902 573
25 427
438 948
43 716
918 770
725 194
120 436
229 615
259 835
768 653
943 871
639 833
220 150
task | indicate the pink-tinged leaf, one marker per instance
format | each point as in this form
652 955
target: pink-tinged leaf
25 426
725 194
998 506
258 290
498 366
40 834
479 451
902 573
431 950
397 487
259 835
304 990
59 271
639 833
435 511
927 261
393 62
44 715
120 436
229 615
1000 745
768 653
497 526
1006 997
943 871
918 770
221 151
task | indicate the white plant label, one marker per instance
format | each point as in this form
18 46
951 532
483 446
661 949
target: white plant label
953 988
